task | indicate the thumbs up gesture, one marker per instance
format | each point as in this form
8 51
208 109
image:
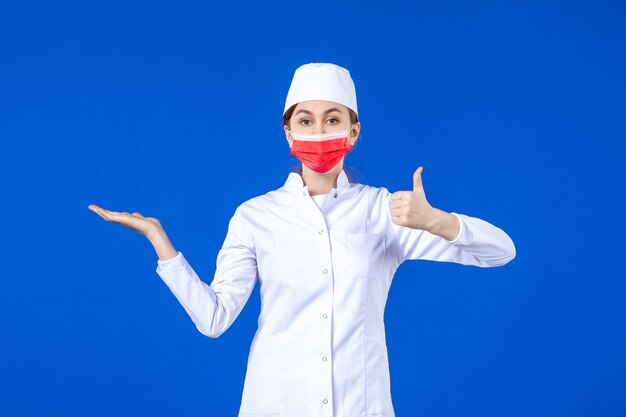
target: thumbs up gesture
410 208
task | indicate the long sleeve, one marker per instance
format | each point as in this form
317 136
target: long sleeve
478 243
213 308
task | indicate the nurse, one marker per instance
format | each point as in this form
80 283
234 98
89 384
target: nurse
325 251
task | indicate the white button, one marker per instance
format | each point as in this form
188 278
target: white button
324 315
303 192
325 401
325 271
321 231
324 358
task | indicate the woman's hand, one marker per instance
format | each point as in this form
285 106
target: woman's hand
411 209
150 227
147 226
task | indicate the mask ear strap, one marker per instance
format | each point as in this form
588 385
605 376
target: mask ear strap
350 129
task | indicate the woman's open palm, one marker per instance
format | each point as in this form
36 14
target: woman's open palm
144 225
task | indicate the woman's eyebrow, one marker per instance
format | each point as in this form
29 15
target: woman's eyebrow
310 112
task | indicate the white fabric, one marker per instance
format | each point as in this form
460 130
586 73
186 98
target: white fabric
322 81
323 136
320 199
461 228
320 347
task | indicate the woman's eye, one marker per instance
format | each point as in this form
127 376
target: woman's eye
307 122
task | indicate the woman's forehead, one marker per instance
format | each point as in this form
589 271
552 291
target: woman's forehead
320 106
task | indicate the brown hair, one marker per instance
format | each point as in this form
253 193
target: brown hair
287 122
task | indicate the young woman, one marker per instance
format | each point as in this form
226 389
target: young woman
325 251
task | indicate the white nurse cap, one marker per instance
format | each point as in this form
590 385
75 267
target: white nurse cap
322 81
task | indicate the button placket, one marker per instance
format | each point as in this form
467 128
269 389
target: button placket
323 377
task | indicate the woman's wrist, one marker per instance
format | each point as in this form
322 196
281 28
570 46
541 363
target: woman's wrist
444 224
162 245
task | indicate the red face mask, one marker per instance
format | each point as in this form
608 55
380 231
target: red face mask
321 152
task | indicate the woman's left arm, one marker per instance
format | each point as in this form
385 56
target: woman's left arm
425 232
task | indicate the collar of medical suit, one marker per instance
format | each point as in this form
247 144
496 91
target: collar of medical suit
294 182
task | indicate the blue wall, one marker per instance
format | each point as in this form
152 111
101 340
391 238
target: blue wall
515 110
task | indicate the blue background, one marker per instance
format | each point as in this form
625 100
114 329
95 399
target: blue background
516 111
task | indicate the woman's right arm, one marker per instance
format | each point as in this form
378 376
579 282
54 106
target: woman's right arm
162 245
213 308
